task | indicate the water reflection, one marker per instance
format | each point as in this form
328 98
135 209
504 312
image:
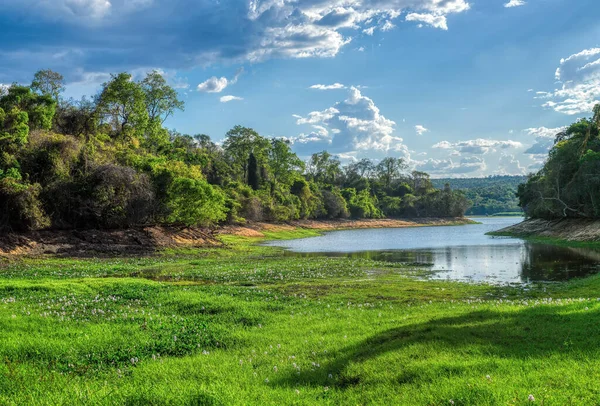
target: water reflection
457 253
490 263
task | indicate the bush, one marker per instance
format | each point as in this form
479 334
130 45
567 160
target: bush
194 202
20 207
334 204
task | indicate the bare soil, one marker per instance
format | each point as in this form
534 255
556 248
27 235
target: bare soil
563 229
257 229
146 240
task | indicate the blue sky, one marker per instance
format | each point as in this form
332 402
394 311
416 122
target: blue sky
456 87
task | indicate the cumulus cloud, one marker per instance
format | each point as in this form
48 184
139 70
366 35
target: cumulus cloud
226 99
544 139
217 85
509 165
328 87
448 166
515 3
139 35
579 77
354 125
420 129
479 146
434 20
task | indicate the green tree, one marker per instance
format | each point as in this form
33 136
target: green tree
48 83
239 144
122 104
389 169
161 99
194 202
283 163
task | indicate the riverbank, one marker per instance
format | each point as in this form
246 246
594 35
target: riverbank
245 325
556 231
145 240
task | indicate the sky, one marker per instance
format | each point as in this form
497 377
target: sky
457 88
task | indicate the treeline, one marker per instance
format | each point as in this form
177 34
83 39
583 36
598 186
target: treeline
108 162
490 195
569 183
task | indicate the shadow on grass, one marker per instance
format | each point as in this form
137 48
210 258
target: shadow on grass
530 333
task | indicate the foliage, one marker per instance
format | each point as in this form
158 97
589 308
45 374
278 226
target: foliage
108 162
569 183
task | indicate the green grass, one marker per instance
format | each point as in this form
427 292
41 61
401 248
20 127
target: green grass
245 325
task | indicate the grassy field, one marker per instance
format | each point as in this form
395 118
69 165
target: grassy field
247 326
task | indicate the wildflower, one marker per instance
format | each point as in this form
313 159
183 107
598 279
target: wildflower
489 378
531 398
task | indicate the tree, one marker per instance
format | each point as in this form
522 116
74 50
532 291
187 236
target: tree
40 109
283 163
161 99
323 167
48 83
253 174
194 202
122 104
389 169
238 145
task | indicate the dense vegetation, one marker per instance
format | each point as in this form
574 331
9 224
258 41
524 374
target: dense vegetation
492 195
109 162
569 183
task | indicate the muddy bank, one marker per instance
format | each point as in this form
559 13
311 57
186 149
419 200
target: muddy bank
562 229
133 241
258 229
146 240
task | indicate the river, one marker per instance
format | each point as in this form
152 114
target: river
463 253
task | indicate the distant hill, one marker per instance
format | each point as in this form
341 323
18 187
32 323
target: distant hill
489 196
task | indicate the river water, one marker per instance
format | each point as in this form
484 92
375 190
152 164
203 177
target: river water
462 253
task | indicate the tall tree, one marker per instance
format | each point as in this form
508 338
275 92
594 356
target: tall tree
122 103
48 83
389 169
161 99
240 142
283 163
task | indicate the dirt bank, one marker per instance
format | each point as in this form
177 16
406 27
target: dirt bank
563 229
145 240
258 229
133 241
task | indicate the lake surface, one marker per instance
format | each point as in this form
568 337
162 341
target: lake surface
458 252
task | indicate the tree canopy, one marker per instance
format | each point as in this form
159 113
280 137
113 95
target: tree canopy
109 162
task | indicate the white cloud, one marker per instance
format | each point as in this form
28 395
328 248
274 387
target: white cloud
509 165
213 85
515 3
217 85
479 146
226 99
354 125
328 87
240 31
544 139
579 76
434 20
420 129
447 166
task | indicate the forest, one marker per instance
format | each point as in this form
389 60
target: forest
491 195
569 183
109 162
